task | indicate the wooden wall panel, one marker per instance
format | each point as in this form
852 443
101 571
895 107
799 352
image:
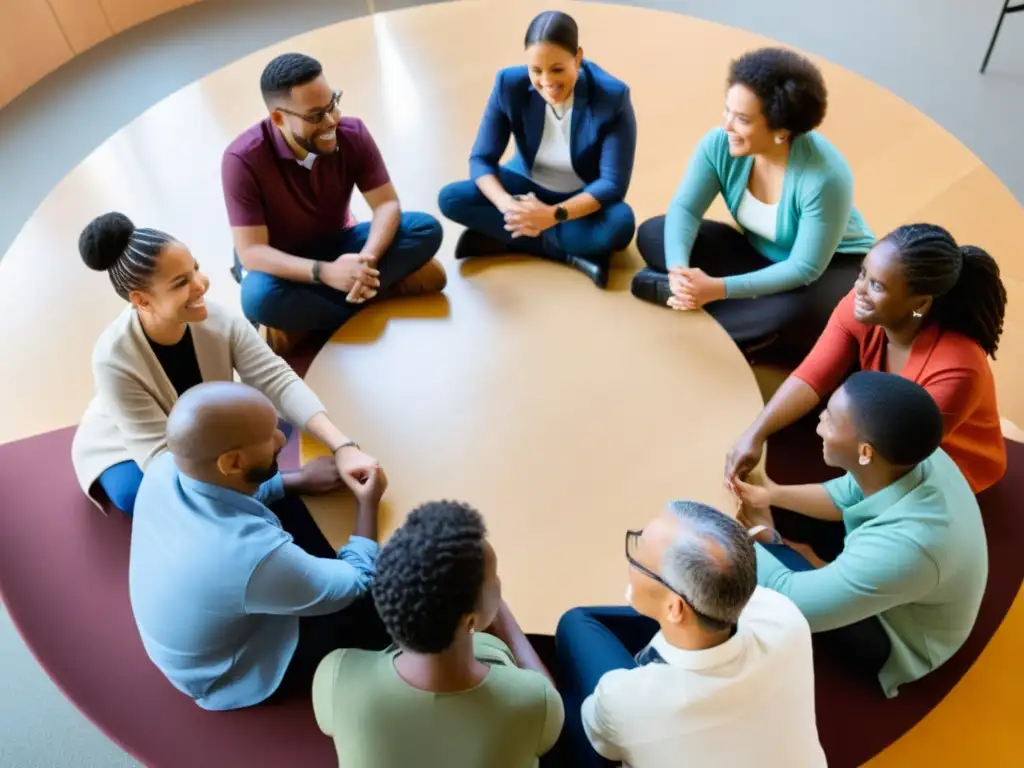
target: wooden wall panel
127 13
32 44
83 21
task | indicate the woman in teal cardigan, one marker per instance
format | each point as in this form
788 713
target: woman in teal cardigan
904 593
800 242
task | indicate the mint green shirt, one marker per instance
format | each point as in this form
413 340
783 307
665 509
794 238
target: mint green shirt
915 556
378 720
816 217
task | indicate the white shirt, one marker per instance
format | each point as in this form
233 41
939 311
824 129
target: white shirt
552 167
757 217
746 702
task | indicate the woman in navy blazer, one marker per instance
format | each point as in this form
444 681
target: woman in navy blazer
561 196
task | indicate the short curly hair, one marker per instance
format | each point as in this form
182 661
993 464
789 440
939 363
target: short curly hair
430 574
790 88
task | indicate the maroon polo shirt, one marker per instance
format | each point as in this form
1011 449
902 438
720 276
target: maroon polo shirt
264 184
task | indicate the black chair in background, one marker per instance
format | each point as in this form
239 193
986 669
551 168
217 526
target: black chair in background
1007 9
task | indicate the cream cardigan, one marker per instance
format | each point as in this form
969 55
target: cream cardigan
127 419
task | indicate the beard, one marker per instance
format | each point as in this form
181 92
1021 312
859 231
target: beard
260 475
310 146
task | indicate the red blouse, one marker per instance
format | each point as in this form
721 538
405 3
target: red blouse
952 367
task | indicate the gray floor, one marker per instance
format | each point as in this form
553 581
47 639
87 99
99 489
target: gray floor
927 51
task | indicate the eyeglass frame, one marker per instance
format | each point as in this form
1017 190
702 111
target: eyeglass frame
636 534
308 117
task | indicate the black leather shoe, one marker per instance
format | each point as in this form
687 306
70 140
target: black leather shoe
472 244
596 271
651 286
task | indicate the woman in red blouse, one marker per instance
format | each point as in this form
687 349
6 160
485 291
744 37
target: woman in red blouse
927 309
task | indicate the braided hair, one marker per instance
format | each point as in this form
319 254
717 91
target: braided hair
111 243
430 575
969 296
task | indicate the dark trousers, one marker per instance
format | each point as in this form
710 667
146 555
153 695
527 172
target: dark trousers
863 645
593 237
797 317
357 626
588 643
296 307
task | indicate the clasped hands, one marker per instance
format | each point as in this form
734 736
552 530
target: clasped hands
526 216
354 274
692 288
350 467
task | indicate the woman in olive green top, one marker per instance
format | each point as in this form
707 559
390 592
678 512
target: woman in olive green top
447 694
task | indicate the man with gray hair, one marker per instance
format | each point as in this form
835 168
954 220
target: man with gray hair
705 669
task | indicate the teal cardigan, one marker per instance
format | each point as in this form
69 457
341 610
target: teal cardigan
816 217
915 555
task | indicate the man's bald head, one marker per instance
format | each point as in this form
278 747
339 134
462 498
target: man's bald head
223 425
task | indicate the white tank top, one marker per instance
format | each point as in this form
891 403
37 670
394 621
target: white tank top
552 167
757 217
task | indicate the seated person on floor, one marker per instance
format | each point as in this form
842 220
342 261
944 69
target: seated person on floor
463 687
924 308
904 593
709 669
236 593
800 240
167 340
561 195
288 181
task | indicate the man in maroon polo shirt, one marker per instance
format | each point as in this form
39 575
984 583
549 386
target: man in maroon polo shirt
288 181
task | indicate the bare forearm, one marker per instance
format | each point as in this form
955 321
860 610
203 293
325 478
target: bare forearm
322 428
386 219
263 258
581 205
793 400
366 520
507 629
810 500
493 190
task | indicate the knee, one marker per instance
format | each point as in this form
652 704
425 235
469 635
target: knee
568 625
260 297
454 198
425 231
122 493
622 223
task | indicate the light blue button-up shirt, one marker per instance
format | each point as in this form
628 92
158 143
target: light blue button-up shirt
217 586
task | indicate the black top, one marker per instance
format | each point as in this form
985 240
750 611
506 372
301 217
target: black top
179 362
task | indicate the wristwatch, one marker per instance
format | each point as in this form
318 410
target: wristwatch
315 275
757 530
561 213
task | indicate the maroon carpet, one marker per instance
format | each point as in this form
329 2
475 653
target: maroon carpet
63 577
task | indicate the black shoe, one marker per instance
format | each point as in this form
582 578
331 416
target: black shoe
472 244
651 286
596 271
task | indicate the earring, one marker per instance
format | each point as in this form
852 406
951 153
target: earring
917 314
864 461
779 139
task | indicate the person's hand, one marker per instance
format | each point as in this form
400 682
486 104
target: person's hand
354 466
753 493
751 517
696 288
371 488
532 218
317 477
744 455
676 282
347 270
510 205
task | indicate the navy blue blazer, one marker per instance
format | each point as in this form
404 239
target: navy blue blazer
603 132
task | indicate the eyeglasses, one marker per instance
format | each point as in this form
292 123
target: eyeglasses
632 541
317 117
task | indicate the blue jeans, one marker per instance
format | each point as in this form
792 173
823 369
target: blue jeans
121 482
594 236
588 643
296 307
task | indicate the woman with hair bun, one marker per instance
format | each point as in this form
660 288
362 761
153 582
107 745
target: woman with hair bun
927 309
561 197
166 341
800 241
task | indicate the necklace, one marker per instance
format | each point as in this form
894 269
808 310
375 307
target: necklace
554 112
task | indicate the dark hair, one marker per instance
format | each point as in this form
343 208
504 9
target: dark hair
969 296
288 71
713 564
111 243
790 88
896 416
556 28
430 574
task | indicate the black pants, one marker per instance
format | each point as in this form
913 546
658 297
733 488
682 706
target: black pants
357 626
797 317
863 645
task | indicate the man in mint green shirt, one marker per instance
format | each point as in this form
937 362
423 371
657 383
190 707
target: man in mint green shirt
915 554
447 694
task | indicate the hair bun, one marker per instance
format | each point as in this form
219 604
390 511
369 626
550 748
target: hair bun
104 240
